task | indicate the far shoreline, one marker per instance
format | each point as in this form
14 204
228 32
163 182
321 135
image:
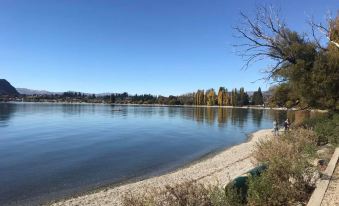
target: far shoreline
161 105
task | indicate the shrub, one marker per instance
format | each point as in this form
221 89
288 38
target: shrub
134 199
334 138
263 190
289 104
324 131
310 123
188 193
228 196
328 130
185 194
288 177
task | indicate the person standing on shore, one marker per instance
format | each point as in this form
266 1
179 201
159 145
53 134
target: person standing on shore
275 128
287 125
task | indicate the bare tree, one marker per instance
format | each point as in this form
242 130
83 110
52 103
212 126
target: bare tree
266 36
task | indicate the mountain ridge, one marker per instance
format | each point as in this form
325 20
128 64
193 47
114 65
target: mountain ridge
7 89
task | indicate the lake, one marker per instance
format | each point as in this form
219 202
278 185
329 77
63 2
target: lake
50 151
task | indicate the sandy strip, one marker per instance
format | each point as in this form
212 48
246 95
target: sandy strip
220 168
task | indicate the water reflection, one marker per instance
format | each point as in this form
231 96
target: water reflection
236 116
210 117
257 115
6 112
239 117
222 116
201 115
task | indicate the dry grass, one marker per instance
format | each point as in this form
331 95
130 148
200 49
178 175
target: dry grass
186 194
289 178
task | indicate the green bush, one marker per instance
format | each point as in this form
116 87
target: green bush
264 190
229 196
334 138
325 127
324 131
289 104
327 130
310 123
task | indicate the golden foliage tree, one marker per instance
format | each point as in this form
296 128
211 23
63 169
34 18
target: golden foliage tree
199 97
211 97
221 96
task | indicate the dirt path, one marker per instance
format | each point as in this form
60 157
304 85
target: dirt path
331 197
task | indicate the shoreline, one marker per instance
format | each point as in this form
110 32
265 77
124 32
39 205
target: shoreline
217 167
157 105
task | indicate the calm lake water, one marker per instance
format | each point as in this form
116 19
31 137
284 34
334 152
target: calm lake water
48 151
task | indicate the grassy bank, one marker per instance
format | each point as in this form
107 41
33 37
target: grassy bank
293 160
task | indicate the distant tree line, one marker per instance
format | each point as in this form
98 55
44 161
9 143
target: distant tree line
125 98
224 98
63 97
210 98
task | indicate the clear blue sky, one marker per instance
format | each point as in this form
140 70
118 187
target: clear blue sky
138 46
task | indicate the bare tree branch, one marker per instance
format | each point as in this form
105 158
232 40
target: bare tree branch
265 37
323 30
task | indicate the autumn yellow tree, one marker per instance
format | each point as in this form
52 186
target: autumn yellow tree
227 98
199 98
221 96
211 97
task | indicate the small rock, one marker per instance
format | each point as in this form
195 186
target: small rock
321 162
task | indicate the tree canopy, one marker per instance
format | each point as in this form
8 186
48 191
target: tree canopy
305 69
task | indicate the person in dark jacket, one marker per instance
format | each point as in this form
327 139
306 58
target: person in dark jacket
287 125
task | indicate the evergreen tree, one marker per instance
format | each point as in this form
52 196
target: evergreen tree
257 98
234 97
226 98
243 97
112 98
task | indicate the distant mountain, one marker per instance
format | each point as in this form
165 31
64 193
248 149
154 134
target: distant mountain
44 92
6 88
32 91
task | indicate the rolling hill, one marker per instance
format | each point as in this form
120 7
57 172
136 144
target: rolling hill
7 89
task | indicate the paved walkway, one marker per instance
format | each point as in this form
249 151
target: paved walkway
331 197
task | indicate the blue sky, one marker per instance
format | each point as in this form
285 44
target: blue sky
151 46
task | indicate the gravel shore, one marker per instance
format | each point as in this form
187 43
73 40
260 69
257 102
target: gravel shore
218 169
